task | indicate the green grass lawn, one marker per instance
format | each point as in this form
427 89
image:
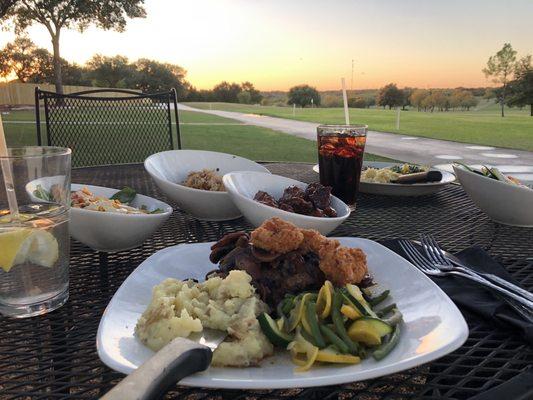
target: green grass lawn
479 127
247 141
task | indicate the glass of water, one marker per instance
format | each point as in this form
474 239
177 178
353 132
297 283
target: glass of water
34 236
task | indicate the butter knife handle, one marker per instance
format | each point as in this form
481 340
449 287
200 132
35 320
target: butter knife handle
177 360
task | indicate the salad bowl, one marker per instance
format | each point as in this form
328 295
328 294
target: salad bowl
110 232
503 202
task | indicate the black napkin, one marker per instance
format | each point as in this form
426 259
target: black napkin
519 387
472 298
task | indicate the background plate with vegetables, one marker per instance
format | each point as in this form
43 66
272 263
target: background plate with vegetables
432 326
397 189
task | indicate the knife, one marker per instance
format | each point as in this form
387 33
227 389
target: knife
178 359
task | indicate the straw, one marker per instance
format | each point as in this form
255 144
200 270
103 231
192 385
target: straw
8 174
345 100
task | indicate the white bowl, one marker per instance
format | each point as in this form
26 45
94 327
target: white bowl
242 187
110 232
502 202
169 168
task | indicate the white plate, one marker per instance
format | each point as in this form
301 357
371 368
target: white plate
396 189
433 325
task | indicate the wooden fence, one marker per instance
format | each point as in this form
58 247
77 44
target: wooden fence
23 94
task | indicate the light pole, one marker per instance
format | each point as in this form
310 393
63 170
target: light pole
351 84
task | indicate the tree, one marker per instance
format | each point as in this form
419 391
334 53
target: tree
5 5
500 67
303 95
370 102
154 76
244 98
28 62
332 100
73 74
58 14
357 102
406 97
390 95
255 95
227 92
417 97
110 72
521 88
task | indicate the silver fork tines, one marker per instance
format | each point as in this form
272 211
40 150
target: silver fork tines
435 269
438 256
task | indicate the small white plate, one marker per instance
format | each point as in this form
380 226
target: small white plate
432 328
396 189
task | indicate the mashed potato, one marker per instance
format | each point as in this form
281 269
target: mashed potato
179 308
376 175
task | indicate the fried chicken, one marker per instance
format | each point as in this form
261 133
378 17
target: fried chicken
314 241
277 236
340 264
343 265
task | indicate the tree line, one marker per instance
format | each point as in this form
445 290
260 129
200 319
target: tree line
32 64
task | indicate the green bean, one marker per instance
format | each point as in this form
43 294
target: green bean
352 301
307 336
286 305
383 350
312 320
385 310
394 319
336 317
334 339
374 301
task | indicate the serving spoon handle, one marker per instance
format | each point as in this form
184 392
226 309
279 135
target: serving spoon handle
177 360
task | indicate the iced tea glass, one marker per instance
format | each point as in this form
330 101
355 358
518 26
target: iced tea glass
34 242
340 158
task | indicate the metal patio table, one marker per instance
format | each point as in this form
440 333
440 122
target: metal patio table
54 356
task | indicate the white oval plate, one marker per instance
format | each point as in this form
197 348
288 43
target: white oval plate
432 328
396 189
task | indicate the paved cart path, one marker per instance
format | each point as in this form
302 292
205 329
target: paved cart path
400 147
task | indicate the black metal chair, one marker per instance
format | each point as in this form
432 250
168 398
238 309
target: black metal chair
103 130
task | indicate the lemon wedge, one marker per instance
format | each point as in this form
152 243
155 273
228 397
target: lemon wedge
25 244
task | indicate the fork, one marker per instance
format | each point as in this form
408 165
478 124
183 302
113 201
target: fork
435 253
429 268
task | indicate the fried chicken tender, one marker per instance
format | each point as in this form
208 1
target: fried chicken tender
343 265
340 264
314 241
277 236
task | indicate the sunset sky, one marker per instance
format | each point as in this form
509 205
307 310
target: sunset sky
279 43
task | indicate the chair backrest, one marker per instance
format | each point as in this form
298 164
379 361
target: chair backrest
104 130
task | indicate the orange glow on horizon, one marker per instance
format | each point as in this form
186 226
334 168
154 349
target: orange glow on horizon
279 44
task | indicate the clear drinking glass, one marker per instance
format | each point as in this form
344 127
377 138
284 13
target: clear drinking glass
340 158
34 243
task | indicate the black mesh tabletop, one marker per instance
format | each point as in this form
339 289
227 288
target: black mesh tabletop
54 356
